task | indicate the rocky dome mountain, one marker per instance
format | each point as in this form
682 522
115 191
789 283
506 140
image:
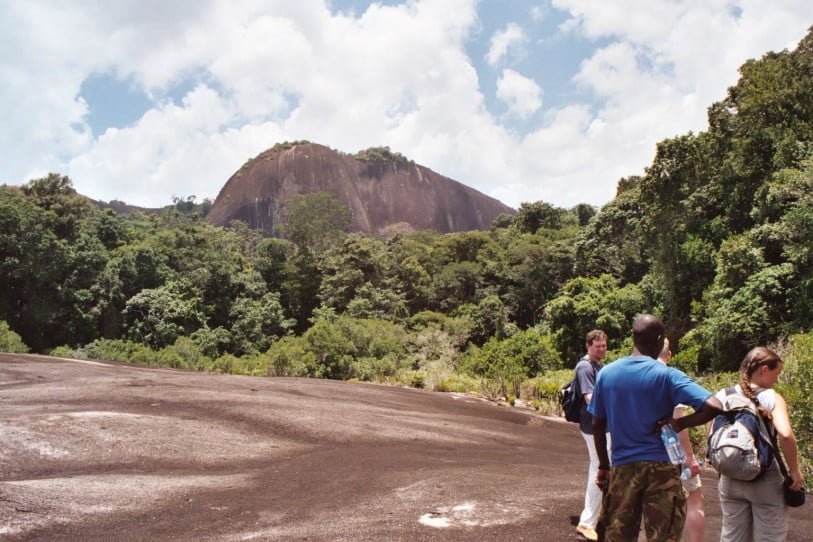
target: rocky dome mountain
381 189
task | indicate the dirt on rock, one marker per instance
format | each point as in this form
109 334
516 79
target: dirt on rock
108 451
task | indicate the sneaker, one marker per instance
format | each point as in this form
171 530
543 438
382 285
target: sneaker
587 532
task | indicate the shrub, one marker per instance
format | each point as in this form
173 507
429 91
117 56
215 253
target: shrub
289 357
622 349
224 364
212 342
183 354
687 358
431 345
411 377
796 386
457 383
120 350
168 357
338 342
63 352
437 373
374 369
248 364
543 391
426 319
10 341
381 154
510 361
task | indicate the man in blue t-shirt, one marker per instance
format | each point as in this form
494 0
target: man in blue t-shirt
632 399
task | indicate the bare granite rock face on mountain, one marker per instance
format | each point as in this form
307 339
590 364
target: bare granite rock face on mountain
381 189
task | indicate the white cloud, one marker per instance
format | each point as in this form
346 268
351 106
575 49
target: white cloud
538 13
393 75
521 94
665 63
172 150
509 39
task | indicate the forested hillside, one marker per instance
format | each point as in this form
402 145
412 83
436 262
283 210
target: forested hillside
716 237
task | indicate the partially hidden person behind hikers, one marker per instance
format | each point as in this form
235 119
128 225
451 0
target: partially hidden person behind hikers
633 397
695 515
755 510
584 377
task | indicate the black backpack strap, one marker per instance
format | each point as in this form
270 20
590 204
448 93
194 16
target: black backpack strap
778 455
770 430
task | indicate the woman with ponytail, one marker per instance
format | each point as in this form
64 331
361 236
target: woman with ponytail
755 510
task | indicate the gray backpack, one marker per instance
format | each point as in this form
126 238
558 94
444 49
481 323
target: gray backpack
739 442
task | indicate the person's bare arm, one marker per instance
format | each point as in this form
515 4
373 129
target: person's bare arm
709 410
787 441
600 440
686 443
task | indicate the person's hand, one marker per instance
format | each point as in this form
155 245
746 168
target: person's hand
797 477
603 479
694 465
666 420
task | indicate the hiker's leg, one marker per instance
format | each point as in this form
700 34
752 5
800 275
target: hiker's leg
592 494
736 510
664 501
768 507
622 506
695 515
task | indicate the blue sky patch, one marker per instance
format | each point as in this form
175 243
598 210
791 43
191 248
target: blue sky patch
112 102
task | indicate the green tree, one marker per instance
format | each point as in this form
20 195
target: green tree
378 303
537 267
270 258
345 268
533 216
256 323
55 193
584 212
300 288
612 243
33 264
489 319
454 285
315 221
589 303
407 264
157 317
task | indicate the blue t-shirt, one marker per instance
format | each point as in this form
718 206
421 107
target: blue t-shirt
632 394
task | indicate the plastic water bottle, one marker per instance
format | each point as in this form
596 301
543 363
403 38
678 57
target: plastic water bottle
675 451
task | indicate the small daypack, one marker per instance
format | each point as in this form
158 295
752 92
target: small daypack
739 443
571 401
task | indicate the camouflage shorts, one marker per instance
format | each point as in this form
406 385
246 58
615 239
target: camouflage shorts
650 489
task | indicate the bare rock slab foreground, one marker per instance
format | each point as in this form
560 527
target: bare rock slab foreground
107 451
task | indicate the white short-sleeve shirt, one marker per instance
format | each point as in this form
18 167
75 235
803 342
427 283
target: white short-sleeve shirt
766 397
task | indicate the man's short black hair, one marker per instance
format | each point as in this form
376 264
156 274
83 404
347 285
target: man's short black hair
648 334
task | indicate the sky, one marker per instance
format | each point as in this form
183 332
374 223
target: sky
524 100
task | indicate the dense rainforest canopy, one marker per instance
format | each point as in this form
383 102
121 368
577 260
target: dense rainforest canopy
716 237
